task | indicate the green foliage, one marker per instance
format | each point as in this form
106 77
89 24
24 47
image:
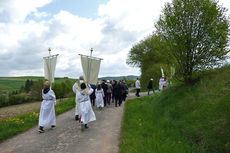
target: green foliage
28 85
150 55
36 89
187 118
197 34
3 100
129 82
63 89
13 126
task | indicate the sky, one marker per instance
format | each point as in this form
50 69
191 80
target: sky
71 27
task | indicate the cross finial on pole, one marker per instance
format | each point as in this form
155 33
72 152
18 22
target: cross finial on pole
49 50
91 51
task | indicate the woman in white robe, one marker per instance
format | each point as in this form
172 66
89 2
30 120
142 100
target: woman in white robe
87 114
47 111
99 93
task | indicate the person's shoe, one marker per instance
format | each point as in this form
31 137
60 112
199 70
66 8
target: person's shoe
76 117
86 127
53 126
41 130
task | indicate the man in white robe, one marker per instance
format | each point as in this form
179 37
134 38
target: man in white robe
76 87
47 111
87 114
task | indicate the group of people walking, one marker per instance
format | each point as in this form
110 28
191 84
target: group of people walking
87 95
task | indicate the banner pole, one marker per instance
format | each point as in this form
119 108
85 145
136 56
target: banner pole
50 68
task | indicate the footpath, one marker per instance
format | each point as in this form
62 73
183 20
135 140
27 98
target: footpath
102 136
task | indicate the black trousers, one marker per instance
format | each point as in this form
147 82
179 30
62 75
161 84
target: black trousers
137 93
105 99
118 100
92 101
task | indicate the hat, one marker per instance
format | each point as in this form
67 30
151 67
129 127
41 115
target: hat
151 79
108 81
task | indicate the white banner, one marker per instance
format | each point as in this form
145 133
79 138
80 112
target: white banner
162 72
90 67
49 67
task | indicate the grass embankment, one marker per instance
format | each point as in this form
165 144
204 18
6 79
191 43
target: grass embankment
15 125
185 119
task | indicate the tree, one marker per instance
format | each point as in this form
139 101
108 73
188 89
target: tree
197 34
36 89
149 55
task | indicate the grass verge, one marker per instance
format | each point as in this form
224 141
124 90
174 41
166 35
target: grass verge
182 119
12 126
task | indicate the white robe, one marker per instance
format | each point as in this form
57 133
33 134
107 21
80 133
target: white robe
87 114
47 111
99 98
161 83
77 106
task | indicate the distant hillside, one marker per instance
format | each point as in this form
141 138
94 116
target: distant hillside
132 77
15 83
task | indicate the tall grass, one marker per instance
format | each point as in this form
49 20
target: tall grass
182 119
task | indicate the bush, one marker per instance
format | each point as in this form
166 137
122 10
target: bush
17 99
3 100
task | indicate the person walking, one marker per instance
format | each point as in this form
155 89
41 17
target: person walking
75 88
113 85
138 87
118 93
47 111
87 114
92 96
125 89
104 87
150 86
161 83
99 97
109 91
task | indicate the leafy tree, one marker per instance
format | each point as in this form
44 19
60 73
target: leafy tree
197 34
36 89
149 55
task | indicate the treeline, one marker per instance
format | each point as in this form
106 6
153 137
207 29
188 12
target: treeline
191 36
32 91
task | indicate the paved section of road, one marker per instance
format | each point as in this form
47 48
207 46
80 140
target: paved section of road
102 136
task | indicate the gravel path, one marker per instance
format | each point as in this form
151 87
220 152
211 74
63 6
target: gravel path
101 137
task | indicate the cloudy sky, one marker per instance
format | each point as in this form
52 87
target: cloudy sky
71 27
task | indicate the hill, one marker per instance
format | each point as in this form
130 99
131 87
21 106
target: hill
132 77
185 118
15 83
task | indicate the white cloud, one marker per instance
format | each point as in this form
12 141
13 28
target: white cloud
120 24
17 11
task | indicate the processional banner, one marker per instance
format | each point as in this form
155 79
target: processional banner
49 67
90 67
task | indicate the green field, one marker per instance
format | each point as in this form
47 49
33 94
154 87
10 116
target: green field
182 119
15 83
9 85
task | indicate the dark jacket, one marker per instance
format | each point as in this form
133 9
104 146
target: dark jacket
92 96
150 86
117 90
104 87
